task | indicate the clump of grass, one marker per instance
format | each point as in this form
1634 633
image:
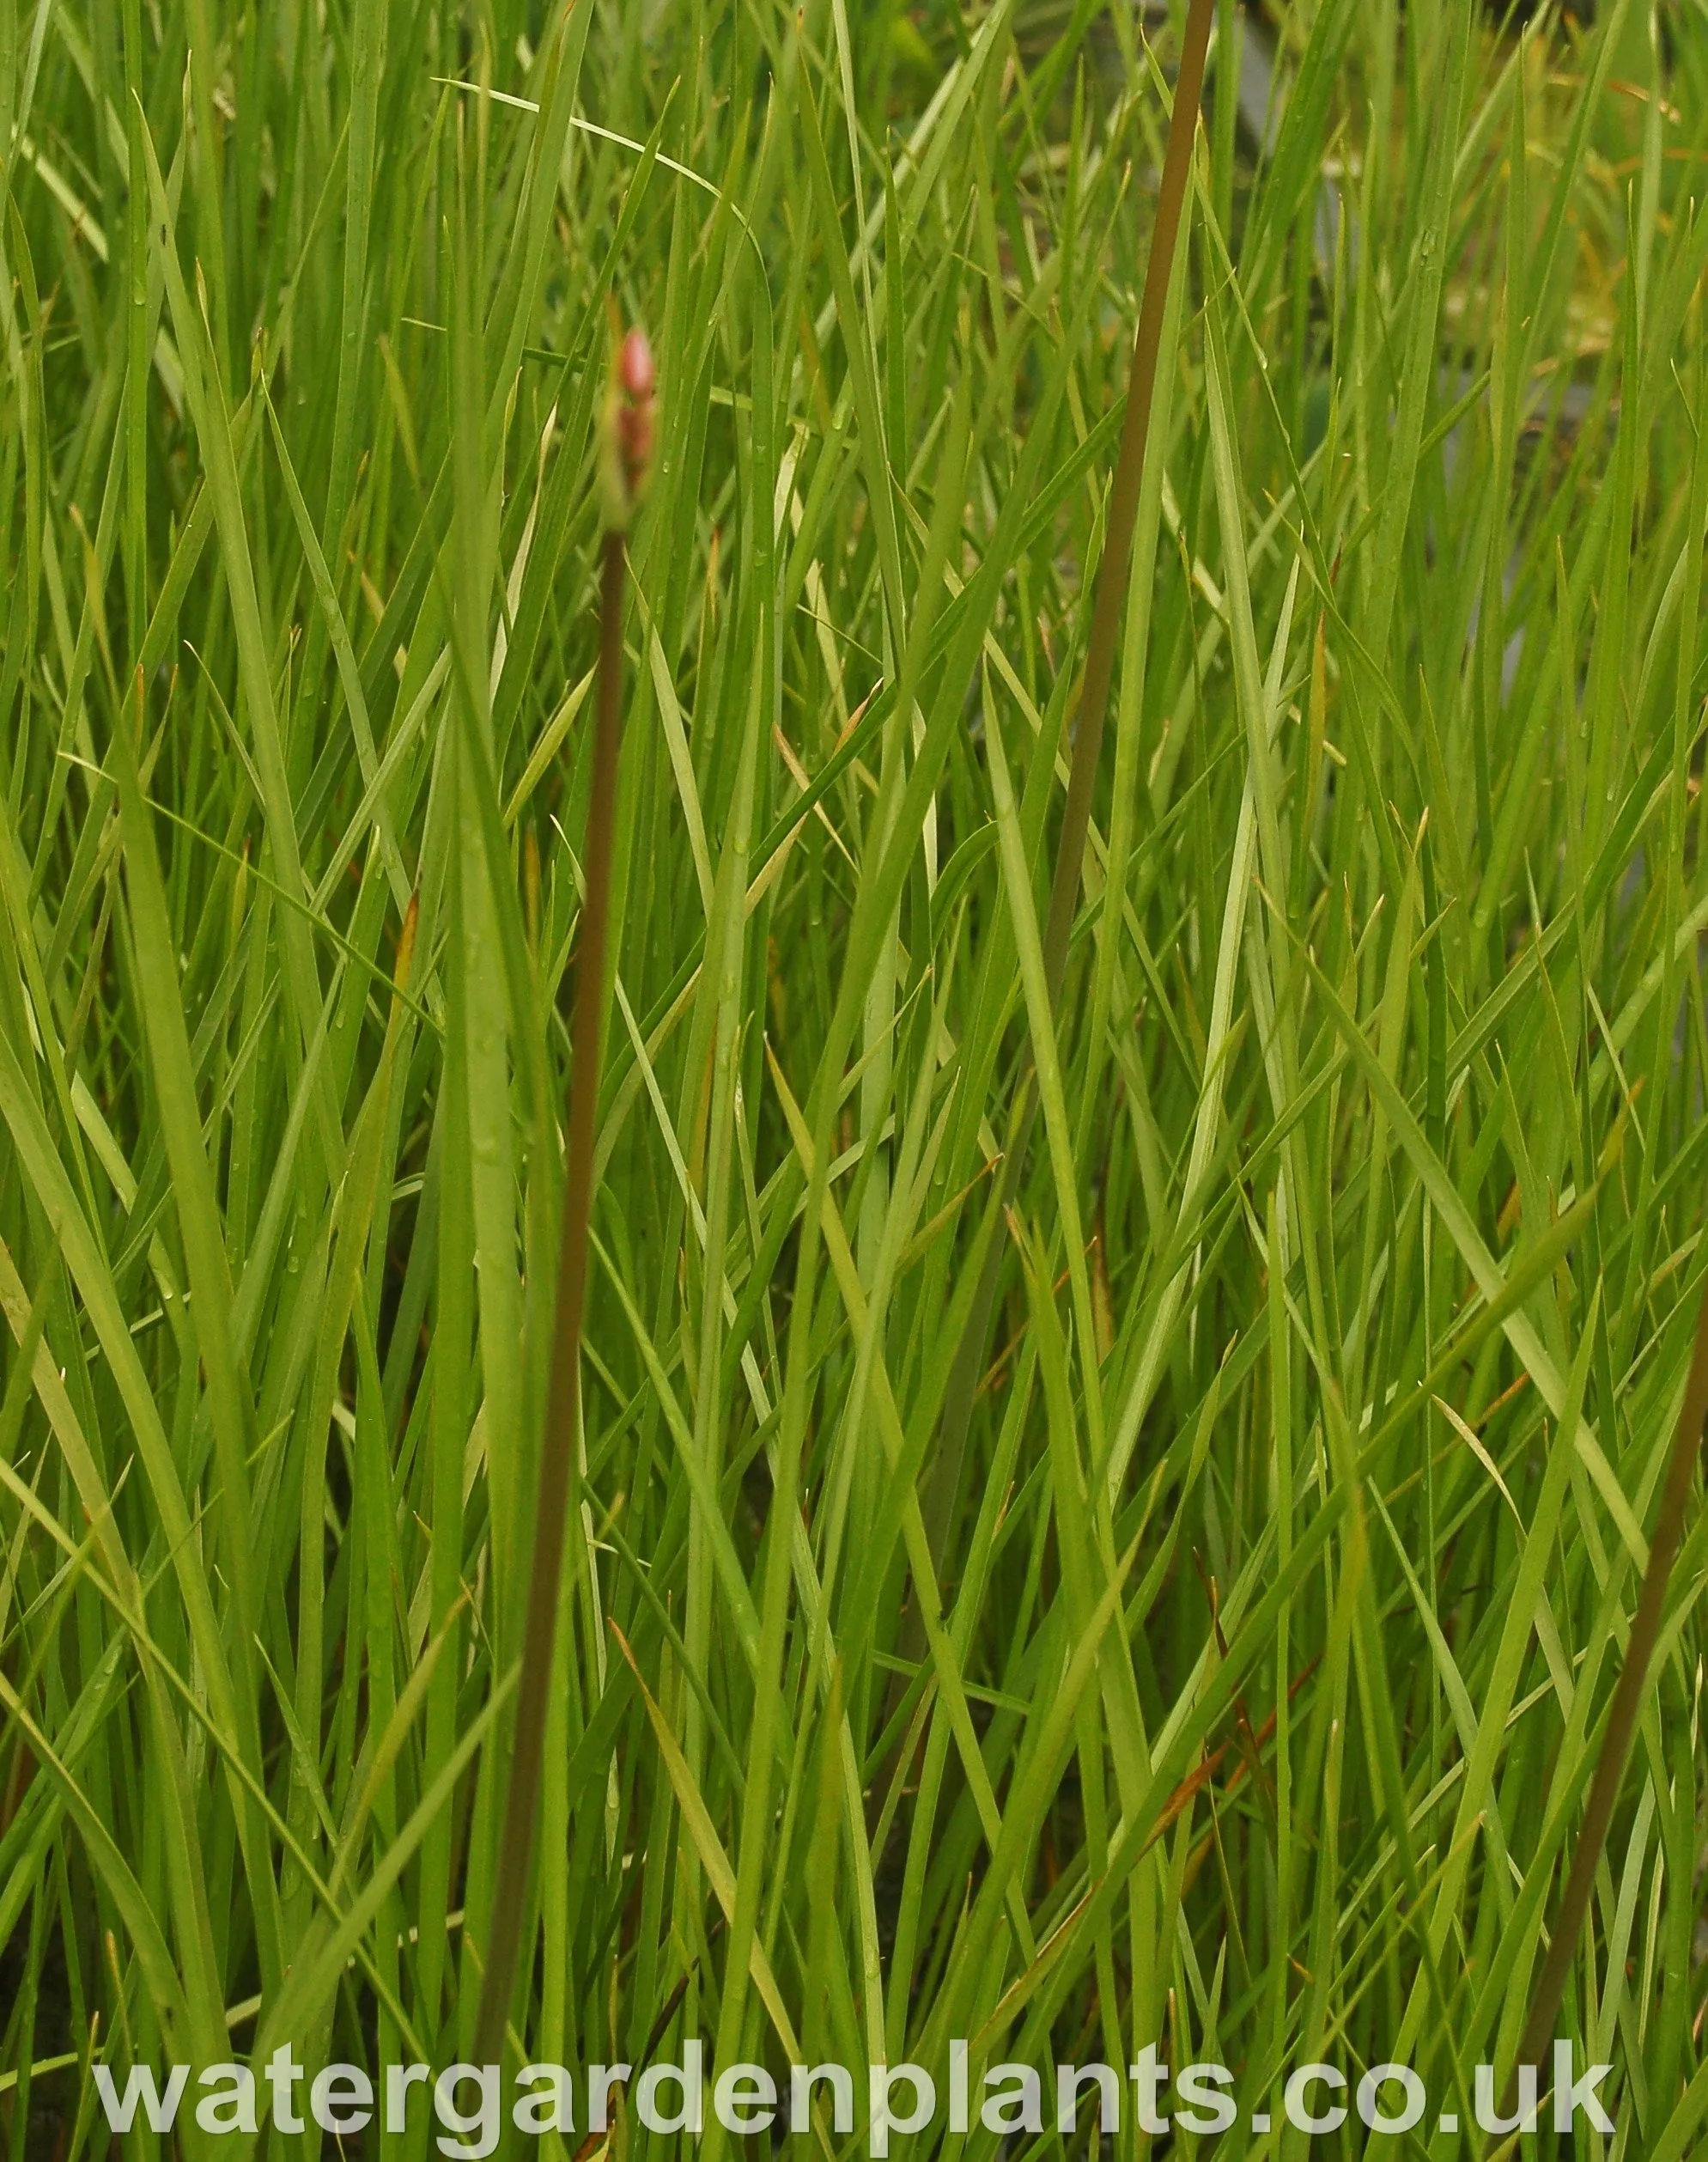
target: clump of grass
1219 1652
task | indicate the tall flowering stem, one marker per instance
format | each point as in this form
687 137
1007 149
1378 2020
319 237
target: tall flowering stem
1092 712
1124 506
1622 1716
625 460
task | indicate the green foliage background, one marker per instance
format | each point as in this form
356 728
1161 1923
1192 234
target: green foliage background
1216 1655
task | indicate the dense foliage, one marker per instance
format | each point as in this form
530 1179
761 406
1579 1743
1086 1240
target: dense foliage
1204 1634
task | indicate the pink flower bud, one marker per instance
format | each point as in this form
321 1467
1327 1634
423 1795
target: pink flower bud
634 369
626 451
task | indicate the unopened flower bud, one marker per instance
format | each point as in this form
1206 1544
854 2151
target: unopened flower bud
626 445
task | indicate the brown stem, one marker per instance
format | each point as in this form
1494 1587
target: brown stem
557 1456
1123 503
1093 710
1645 1629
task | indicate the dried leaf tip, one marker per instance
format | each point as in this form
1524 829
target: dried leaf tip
406 955
626 446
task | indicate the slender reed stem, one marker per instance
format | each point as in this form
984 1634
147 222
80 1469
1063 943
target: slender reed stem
1093 713
1123 503
557 1456
1628 1702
